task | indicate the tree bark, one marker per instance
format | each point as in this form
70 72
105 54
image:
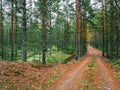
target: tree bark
44 32
103 28
16 29
111 30
77 36
1 31
24 32
12 31
106 32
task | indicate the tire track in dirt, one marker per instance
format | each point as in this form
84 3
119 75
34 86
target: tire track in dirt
78 84
99 76
109 79
68 81
103 77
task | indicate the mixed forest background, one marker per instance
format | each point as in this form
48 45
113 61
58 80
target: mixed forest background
49 31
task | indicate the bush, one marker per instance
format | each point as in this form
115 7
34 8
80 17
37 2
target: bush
54 48
58 57
69 50
117 61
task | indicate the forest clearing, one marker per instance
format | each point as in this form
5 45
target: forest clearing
59 44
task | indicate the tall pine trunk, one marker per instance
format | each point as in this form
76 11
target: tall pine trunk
117 29
12 30
106 32
24 32
77 36
103 28
1 32
16 29
66 25
111 30
50 23
44 32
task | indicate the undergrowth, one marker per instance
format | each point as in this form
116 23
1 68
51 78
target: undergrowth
116 66
49 82
57 57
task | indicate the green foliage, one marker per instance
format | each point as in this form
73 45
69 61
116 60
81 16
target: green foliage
57 57
118 74
54 48
69 50
87 85
116 66
117 61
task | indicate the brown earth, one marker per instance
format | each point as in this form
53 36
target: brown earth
29 75
91 72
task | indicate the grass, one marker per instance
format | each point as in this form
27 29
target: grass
118 74
116 66
49 82
91 66
87 85
89 78
117 61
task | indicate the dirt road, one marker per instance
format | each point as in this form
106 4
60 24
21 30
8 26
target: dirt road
91 72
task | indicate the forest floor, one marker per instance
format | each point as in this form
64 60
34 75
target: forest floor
91 72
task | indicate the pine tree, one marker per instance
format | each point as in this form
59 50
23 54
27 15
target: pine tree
1 32
16 29
44 32
12 30
24 20
78 27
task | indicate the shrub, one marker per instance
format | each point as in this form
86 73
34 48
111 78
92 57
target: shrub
57 57
54 48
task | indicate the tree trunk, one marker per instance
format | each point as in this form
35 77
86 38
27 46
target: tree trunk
66 31
118 36
44 32
1 32
12 31
117 29
24 32
50 29
16 29
107 33
77 36
84 38
103 28
111 30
